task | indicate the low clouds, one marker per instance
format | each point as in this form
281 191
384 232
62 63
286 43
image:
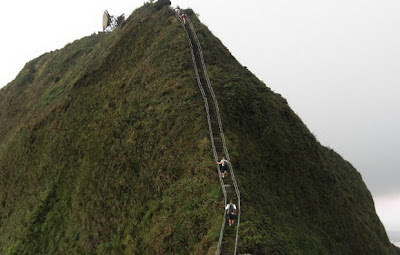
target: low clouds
388 208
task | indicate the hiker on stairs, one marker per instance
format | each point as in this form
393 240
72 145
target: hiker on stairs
231 208
184 17
224 166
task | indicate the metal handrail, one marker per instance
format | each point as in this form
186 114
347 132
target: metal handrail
219 246
220 129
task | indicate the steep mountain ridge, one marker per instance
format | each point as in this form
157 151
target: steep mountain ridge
104 149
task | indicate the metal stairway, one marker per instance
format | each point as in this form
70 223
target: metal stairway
229 235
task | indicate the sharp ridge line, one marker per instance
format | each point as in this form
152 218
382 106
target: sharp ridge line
211 132
220 128
214 99
211 91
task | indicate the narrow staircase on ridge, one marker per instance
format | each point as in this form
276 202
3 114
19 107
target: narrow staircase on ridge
229 234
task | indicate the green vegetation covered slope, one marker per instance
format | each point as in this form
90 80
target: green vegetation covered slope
298 196
104 149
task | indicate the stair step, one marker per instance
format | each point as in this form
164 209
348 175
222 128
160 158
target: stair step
228 242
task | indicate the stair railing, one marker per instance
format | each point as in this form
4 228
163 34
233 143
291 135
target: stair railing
237 192
219 246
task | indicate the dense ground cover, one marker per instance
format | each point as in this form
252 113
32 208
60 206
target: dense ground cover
104 150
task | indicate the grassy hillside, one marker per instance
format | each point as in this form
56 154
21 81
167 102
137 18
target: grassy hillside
104 149
97 139
298 196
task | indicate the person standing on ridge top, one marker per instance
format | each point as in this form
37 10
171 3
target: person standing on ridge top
231 208
178 10
224 166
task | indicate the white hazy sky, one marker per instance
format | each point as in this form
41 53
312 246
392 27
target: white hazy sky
337 62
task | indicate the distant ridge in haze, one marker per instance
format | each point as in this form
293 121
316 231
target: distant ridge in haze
394 237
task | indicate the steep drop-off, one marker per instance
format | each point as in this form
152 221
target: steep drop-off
104 149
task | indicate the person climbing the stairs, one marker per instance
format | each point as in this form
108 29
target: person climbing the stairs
231 208
184 17
224 166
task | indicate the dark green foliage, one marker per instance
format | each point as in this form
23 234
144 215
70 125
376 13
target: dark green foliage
161 3
107 150
104 149
298 196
